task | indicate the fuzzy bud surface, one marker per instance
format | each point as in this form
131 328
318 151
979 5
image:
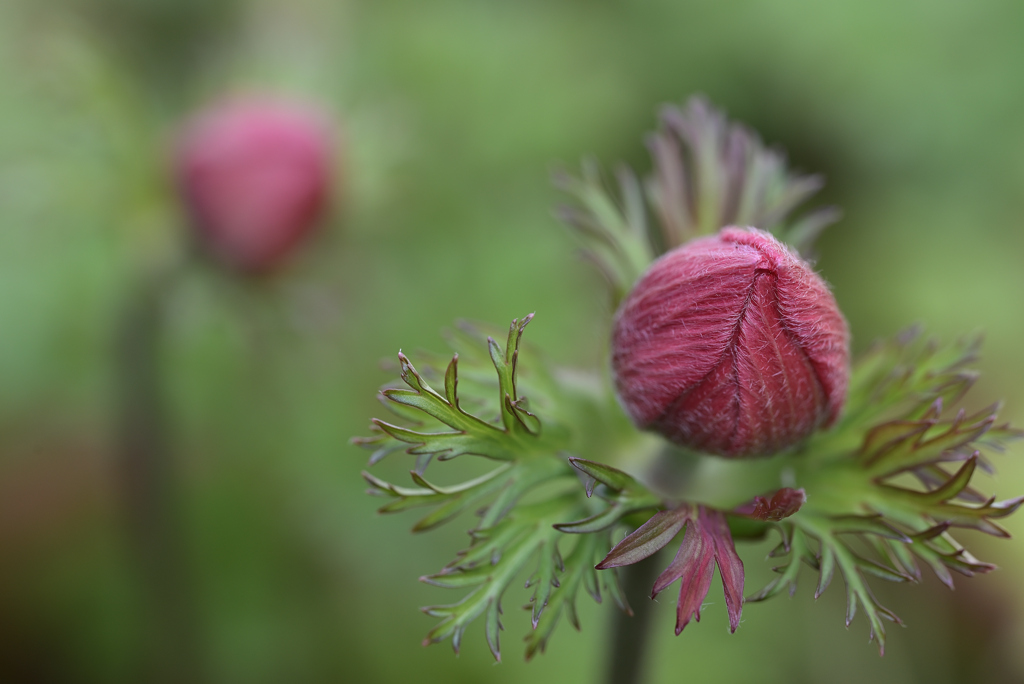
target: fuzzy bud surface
732 345
254 175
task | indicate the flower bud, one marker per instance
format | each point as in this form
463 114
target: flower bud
730 344
254 175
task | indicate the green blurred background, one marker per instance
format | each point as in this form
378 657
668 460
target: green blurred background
451 115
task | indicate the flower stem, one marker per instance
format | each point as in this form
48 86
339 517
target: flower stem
628 648
149 487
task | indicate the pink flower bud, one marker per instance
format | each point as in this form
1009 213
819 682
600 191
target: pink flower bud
732 345
254 175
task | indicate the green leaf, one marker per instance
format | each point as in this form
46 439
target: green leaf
614 232
892 448
711 173
491 580
708 173
519 503
624 495
872 524
903 378
827 565
560 598
858 592
613 478
799 550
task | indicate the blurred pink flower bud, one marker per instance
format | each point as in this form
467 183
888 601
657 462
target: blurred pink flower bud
254 175
732 345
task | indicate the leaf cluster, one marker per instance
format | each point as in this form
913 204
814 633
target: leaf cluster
709 172
882 508
524 505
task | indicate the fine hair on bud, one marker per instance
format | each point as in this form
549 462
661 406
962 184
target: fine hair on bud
731 345
254 176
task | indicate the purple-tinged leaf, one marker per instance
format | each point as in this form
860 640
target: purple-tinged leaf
955 484
412 378
934 476
931 532
1007 507
920 446
693 564
782 504
648 539
493 627
979 518
729 565
885 437
524 418
692 592
899 556
967 565
939 568
691 548
451 382
707 541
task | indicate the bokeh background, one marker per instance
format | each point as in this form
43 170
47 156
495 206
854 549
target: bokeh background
450 116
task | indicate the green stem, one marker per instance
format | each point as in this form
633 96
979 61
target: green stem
149 487
628 647
673 470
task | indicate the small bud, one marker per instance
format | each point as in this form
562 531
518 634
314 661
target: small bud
730 344
783 504
254 175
